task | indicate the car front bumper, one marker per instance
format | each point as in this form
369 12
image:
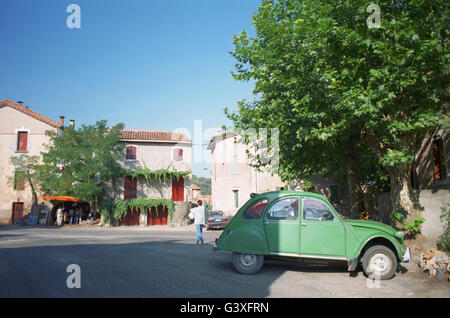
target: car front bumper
406 256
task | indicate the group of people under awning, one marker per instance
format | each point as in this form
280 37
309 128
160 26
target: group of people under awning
69 210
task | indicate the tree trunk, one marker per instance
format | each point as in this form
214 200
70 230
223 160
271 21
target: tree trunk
33 190
353 183
354 173
404 198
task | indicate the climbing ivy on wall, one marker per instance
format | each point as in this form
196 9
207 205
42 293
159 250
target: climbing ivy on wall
160 175
114 210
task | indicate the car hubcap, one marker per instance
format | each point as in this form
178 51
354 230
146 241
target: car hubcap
247 260
379 263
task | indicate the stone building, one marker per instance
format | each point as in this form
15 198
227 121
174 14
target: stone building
154 150
233 179
22 131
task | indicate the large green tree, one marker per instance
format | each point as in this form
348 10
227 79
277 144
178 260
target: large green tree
341 89
81 161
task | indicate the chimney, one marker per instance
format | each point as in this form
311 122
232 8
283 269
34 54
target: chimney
72 123
61 121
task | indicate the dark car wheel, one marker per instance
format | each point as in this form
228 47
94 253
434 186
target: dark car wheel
379 261
247 263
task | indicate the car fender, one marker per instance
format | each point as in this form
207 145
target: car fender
244 238
379 236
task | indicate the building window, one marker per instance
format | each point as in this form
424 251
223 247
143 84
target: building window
22 141
19 180
130 188
131 153
236 198
178 189
178 154
439 160
234 168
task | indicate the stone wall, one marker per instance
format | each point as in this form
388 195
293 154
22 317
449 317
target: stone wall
180 215
432 201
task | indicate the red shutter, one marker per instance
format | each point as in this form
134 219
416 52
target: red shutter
130 188
178 154
131 153
178 189
22 141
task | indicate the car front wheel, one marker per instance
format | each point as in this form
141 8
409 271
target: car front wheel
247 263
379 262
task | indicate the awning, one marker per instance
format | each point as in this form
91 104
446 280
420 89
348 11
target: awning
61 198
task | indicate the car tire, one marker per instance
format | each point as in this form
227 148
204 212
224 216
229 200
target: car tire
247 264
379 262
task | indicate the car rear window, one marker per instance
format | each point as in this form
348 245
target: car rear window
255 210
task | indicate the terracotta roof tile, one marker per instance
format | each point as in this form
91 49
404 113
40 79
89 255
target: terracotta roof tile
151 135
29 112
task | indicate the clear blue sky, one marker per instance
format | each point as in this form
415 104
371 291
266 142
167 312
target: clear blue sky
151 64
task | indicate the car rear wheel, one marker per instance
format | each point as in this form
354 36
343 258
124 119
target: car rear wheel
247 263
379 262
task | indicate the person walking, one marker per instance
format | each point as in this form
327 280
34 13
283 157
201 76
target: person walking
59 216
198 215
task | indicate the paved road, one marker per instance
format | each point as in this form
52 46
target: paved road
165 262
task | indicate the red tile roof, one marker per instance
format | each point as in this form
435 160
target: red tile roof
151 135
29 112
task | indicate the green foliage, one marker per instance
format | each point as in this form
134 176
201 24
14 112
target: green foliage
338 90
444 239
413 227
160 175
203 183
114 210
81 161
397 217
410 229
27 168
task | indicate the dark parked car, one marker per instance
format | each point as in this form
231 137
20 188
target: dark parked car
216 220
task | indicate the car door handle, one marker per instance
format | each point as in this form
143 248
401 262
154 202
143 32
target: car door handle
266 223
303 224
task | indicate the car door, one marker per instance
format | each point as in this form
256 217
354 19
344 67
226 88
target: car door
322 232
282 226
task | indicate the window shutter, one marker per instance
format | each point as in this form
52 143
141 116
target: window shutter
22 141
130 188
19 181
178 154
131 153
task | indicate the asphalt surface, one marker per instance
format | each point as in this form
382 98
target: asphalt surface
163 261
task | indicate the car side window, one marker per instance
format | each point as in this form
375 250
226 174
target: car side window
284 209
314 209
255 210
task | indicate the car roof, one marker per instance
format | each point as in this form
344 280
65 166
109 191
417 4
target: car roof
283 193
